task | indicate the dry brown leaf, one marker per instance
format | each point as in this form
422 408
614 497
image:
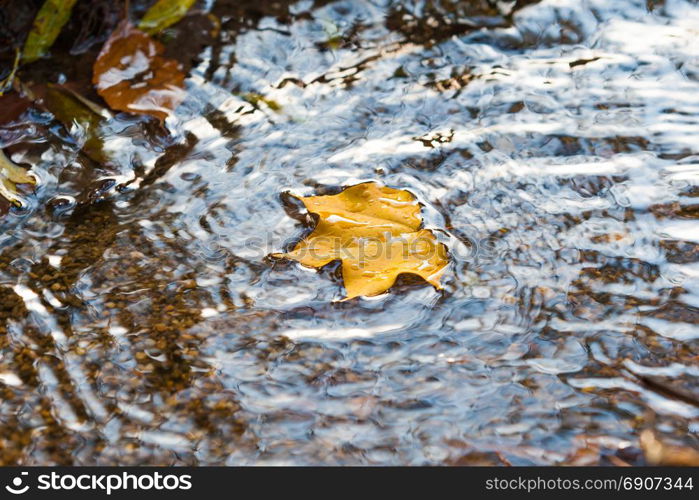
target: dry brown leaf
375 232
131 74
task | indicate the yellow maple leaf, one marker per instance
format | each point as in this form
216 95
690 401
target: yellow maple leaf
375 232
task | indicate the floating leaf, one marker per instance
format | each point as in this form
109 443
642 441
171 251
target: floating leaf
131 75
375 232
52 16
10 176
73 110
164 13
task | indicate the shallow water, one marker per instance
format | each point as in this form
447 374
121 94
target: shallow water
554 148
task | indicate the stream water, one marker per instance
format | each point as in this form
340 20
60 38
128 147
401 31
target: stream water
554 146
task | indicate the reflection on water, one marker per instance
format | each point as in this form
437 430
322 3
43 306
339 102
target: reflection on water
554 148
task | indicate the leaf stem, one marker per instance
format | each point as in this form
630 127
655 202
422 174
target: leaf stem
8 82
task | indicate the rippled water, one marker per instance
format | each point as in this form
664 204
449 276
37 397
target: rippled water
554 146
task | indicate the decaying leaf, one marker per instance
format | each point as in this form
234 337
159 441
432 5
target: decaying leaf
375 232
659 453
164 13
52 16
132 75
12 105
82 118
10 176
7 82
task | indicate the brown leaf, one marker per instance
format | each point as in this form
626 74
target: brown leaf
80 118
131 75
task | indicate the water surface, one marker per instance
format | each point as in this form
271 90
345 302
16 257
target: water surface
553 146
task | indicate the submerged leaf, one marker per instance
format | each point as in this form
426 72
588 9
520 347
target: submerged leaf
10 176
660 453
375 232
52 16
12 105
73 110
256 99
164 13
131 75
7 82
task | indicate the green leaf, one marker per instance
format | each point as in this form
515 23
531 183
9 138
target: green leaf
10 176
163 14
72 109
47 25
256 99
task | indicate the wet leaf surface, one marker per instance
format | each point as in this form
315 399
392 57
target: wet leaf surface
132 75
164 13
80 117
375 232
10 176
52 16
12 106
